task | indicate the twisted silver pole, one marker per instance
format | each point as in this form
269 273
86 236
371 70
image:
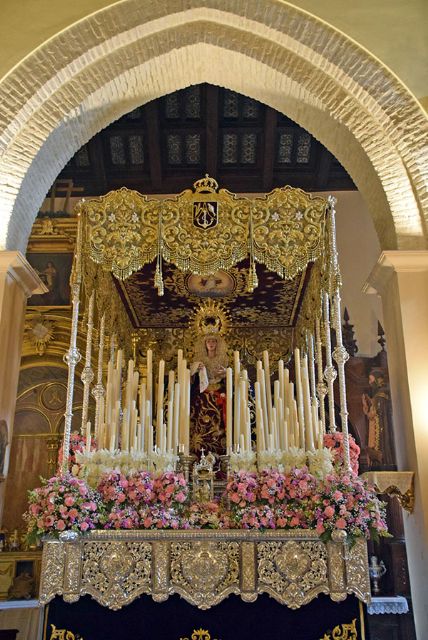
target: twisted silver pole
340 353
98 391
321 385
72 357
87 373
330 372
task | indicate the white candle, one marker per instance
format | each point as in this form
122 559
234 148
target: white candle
159 405
264 403
187 413
183 386
243 410
150 440
236 400
279 439
176 416
149 445
169 433
299 389
274 427
286 429
309 444
229 409
237 414
150 380
261 446
281 377
241 443
267 382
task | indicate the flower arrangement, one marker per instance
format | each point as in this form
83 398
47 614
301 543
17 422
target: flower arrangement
242 488
63 502
271 499
334 442
133 490
347 503
171 489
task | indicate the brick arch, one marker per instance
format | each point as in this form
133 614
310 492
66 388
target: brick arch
128 54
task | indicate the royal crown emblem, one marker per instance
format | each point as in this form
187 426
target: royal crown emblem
205 207
206 185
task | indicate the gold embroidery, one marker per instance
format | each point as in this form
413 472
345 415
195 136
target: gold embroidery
346 631
63 634
199 634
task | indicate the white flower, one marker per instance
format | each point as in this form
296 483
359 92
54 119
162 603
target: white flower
320 462
293 457
245 461
269 460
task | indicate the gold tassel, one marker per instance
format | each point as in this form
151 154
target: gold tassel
252 280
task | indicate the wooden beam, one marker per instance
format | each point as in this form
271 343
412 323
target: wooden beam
269 148
211 112
96 157
154 144
324 168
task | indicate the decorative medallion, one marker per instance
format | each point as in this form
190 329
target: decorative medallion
292 562
53 396
40 332
204 566
117 563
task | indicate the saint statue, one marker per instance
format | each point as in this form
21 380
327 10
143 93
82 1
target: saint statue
208 395
377 408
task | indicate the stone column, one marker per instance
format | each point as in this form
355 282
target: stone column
18 281
401 279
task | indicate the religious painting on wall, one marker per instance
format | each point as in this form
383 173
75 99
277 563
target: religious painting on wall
54 270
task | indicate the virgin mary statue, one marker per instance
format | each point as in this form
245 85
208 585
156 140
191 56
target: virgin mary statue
208 395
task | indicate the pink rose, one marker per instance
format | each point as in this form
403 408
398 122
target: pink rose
329 511
69 501
180 497
84 526
60 525
337 495
49 520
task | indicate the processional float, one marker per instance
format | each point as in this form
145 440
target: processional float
141 423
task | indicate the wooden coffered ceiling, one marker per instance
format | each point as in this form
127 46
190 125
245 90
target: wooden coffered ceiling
164 146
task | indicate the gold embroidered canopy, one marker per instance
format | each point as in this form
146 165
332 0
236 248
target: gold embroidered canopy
204 230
